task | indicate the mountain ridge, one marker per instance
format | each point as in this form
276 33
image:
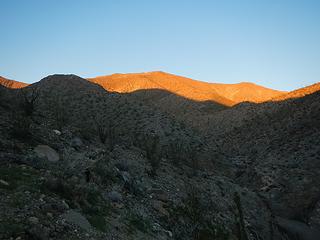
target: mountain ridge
11 83
226 94
220 93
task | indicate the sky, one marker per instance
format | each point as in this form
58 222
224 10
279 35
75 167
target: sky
275 43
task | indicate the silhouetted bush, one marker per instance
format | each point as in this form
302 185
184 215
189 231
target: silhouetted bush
175 152
20 125
191 152
28 99
105 130
111 136
197 224
180 152
242 234
101 128
153 150
59 113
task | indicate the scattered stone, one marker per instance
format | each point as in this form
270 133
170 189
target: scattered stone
3 182
162 197
159 207
65 205
76 142
117 205
57 132
44 151
156 191
39 232
169 233
158 194
33 220
126 177
156 227
115 196
122 166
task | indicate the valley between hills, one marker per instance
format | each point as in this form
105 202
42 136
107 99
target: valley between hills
158 156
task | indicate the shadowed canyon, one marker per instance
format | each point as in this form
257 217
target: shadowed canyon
158 156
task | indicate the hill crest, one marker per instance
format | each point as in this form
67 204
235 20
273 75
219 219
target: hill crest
226 94
8 83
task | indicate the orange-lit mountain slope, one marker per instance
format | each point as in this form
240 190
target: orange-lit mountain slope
225 94
245 91
11 83
298 93
185 87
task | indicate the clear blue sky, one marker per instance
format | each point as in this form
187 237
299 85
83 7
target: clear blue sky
275 43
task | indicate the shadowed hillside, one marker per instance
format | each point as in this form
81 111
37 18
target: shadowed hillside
274 149
79 162
193 113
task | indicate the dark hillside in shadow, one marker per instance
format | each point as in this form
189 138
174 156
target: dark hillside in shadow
151 156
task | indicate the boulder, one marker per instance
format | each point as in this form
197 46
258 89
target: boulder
33 220
76 142
75 218
44 151
298 230
57 132
159 207
3 182
114 196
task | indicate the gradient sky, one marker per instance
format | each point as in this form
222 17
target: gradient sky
275 43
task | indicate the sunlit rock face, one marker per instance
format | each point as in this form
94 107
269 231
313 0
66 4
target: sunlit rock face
225 94
11 83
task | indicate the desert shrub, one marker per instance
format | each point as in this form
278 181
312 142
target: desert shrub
98 221
193 221
153 151
105 130
20 125
59 113
138 222
1 97
10 228
191 152
180 152
103 172
175 152
102 131
86 129
111 136
28 98
78 195
17 177
242 234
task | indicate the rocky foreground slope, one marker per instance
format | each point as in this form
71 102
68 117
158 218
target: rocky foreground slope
78 162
